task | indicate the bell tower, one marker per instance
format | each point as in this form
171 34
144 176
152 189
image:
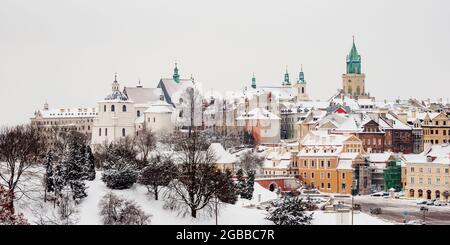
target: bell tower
353 81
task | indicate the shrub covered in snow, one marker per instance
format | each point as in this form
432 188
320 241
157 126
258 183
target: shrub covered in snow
117 211
7 215
119 179
290 211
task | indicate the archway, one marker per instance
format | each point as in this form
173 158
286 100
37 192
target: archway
438 194
428 194
411 193
420 192
273 186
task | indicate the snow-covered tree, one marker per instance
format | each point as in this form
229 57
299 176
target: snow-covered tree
198 180
117 211
145 141
290 211
241 184
247 191
160 172
48 176
75 170
90 163
227 192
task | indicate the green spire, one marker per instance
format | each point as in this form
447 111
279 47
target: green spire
286 78
353 60
301 76
176 76
253 81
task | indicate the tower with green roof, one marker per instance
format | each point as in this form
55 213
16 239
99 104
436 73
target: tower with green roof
353 81
253 81
176 76
286 81
300 86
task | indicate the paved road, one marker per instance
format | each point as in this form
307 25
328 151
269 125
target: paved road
393 210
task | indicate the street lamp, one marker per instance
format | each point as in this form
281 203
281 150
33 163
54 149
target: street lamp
424 211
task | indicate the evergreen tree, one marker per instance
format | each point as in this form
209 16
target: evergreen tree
240 185
249 186
90 162
290 211
227 192
59 180
48 177
75 170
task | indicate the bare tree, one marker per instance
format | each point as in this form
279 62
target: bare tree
198 180
250 161
145 141
117 211
20 148
160 172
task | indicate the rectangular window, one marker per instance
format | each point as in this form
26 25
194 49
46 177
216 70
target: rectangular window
322 175
329 186
343 175
329 164
328 175
305 163
312 175
429 181
312 164
420 181
438 181
429 170
412 180
446 180
322 164
412 170
438 170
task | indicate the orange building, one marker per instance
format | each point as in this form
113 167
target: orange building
324 161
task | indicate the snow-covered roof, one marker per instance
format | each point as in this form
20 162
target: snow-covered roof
222 156
160 107
380 157
141 95
436 154
344 165
68 113
258 114
349 155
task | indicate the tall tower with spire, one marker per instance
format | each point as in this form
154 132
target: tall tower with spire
353 81
176 76
253 81
286 81
300 86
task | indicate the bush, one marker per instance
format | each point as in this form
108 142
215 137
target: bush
119 179
290 211
117 211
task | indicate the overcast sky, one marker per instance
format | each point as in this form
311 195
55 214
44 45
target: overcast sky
66 52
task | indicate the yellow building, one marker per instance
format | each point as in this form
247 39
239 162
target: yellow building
427 174
436 128
321 165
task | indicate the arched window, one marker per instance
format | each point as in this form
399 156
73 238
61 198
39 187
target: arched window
138 113
124 108
113 108
104 108
123 132
100 132
106 131
303 90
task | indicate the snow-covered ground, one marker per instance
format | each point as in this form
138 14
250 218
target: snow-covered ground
244 212
229 214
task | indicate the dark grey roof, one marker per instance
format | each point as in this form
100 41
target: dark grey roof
116 95
142 95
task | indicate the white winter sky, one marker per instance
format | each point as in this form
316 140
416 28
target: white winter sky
66 52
